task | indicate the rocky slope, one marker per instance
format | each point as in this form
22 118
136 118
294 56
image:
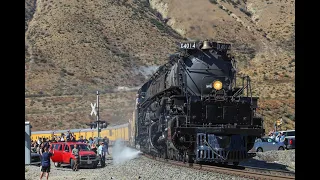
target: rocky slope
262 36
76 47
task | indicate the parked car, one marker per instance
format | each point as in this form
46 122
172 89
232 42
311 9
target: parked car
267 144
63 154
290 143
289 133
290 139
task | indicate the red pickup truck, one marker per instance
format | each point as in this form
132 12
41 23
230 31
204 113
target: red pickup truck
62 154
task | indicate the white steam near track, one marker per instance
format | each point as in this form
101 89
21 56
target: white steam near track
147 71
121 153
124 88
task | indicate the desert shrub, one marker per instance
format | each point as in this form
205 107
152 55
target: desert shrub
290 116
159 25
213 1
246 12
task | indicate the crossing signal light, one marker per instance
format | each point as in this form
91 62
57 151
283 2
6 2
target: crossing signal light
102 124
92 125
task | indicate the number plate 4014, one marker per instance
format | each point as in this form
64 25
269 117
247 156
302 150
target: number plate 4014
188 45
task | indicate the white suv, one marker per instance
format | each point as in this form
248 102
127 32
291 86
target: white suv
289 133
290 139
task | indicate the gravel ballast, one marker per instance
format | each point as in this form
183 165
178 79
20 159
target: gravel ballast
282 160
138 167
144 168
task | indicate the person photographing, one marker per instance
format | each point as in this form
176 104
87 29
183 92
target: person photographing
45 162
102 154
75 152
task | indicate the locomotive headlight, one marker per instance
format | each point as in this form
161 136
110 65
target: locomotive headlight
217 85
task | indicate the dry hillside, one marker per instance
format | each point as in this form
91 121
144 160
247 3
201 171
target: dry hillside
76 47
262 36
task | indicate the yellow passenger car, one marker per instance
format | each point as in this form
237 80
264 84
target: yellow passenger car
112 132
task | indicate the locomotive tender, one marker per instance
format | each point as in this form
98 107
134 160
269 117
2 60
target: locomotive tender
192 110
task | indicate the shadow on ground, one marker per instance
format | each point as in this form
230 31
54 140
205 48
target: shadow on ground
263 164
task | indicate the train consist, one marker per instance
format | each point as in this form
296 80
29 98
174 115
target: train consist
192 109
112 132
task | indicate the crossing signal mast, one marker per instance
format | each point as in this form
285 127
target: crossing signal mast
97 124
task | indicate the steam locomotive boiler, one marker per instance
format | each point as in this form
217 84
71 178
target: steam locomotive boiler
192 108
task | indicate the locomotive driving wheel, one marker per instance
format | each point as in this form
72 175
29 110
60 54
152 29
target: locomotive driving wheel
182 141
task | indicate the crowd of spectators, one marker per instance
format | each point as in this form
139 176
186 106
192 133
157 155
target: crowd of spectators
42 146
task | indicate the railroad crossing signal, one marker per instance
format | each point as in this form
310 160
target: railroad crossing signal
93 111
94 124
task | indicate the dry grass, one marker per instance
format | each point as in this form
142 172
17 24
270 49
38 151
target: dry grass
30 6
73 111
76 47
262 36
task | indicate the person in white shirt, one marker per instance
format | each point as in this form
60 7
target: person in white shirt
39 141
102 154
279 137
271 136
282 136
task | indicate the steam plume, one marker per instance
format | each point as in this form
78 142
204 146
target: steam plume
121 153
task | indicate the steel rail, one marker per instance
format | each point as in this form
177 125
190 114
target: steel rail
239 171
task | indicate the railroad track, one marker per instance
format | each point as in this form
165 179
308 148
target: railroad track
240 171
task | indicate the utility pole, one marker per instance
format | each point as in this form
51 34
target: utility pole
98 114
95 111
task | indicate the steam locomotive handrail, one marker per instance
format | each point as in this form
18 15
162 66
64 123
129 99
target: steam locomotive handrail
215 151
187 71
243 88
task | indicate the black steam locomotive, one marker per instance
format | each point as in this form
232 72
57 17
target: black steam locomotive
192 110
